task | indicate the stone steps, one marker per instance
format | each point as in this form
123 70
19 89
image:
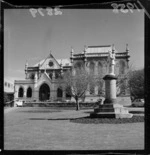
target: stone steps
111 111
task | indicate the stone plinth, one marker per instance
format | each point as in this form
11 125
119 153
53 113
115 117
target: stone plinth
110 88
111 111
110 108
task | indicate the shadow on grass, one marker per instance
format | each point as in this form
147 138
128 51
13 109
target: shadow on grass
91 120
40 111
51 119
88 112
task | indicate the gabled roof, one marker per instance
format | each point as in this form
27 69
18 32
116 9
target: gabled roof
64 62
44 63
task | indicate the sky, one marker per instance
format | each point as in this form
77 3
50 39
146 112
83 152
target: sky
28 38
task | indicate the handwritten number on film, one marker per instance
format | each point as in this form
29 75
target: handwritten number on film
121 7
47 11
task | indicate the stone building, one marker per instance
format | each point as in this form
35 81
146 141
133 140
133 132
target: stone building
41 80
9 89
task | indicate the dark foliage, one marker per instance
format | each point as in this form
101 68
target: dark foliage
89 120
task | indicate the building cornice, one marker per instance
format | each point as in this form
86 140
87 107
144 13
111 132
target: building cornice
24 82
88 55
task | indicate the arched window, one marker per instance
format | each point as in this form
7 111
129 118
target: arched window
5 83
121 67
8 84
100 68
29 92
56 75
59 92
91 67
68 93
78 65
20 93
32 76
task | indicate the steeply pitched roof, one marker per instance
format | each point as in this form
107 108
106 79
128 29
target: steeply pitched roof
64 62
43 63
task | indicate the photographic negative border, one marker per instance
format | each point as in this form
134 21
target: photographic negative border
116 6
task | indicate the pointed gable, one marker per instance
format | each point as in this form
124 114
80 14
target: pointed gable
44 78
49 63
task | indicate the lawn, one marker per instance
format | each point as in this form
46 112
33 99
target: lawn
44 128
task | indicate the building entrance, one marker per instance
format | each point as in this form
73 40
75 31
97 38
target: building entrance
44 92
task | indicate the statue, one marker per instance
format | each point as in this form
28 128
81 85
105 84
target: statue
111 60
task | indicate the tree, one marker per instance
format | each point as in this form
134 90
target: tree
133 81
78 83
136 83
100 83
8 98
122 83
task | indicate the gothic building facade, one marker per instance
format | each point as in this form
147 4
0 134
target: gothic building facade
41 80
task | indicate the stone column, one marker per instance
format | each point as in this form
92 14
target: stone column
53 75
53 92
36 95
25 93
110 89
64 95
16 92
36 77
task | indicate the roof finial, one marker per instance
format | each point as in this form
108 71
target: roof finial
113 48
72 51
85 48
127 48
26 64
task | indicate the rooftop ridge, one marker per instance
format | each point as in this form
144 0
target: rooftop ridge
99 46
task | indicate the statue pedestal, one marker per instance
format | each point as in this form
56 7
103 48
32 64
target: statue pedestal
111 111
110 108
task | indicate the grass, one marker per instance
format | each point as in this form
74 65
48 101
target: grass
89 120
31 128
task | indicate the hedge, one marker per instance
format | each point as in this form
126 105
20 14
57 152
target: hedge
62 104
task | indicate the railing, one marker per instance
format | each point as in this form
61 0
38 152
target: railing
121 54
99 55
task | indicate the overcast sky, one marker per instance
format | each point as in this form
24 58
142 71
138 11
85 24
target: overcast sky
31 39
